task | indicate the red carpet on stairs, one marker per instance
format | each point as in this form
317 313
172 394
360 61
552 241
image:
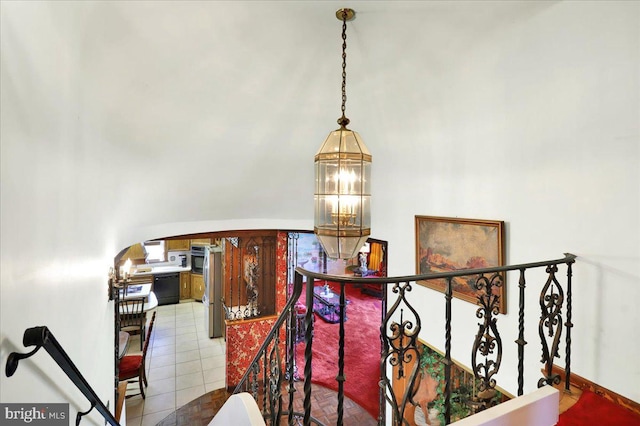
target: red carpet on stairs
362 351
592 409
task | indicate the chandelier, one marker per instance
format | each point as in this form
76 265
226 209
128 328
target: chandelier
342 219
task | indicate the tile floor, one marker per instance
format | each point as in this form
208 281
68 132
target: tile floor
183 363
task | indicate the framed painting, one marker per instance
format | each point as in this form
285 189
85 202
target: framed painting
446 244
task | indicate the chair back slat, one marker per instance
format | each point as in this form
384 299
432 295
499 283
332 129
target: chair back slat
131 312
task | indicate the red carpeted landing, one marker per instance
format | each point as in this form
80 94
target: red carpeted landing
362 351
592 409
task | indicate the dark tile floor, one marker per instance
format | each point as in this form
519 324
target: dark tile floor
324 403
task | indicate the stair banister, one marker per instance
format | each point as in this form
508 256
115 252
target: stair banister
487 341
42 337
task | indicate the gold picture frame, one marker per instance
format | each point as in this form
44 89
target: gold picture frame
445 244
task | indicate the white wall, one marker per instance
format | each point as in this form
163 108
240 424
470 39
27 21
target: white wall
57 234
111 111
534 122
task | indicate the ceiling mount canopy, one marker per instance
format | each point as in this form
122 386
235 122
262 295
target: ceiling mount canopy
342 180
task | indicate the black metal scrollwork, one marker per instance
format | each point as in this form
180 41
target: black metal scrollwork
487 342
275 381
551 300
254 370
399 332
400 347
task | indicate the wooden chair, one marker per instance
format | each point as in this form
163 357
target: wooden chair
132 366
132 317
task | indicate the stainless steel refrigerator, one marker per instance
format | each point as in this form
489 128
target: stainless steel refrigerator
212 299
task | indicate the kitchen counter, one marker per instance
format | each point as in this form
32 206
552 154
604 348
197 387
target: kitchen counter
164 269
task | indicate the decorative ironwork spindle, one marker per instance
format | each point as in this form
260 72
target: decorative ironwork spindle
308 355
487 342
521 342
551 299
341 378
383 372
233 245
292 257
275 381
265 381
568 325
400 348
288 356
291 343
447 348
292 323
253 379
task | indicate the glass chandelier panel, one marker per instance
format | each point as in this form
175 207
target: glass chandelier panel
342 195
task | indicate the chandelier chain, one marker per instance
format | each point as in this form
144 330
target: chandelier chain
343 121
344 61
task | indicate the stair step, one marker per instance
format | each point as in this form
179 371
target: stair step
122 390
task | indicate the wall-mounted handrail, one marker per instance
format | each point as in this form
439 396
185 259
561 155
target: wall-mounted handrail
42 337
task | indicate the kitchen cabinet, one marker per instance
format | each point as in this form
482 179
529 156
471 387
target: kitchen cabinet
197 286
201 241
185 285
178 245
136 251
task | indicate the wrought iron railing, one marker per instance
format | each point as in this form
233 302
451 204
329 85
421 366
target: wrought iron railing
248 276
41 337
269 372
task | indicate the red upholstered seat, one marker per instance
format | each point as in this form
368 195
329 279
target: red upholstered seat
130 366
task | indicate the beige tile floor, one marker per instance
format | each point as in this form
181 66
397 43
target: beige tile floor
183 363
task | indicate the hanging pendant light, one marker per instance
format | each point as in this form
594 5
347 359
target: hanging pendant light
343 175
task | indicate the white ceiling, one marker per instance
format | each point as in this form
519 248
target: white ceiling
241 94
181 112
